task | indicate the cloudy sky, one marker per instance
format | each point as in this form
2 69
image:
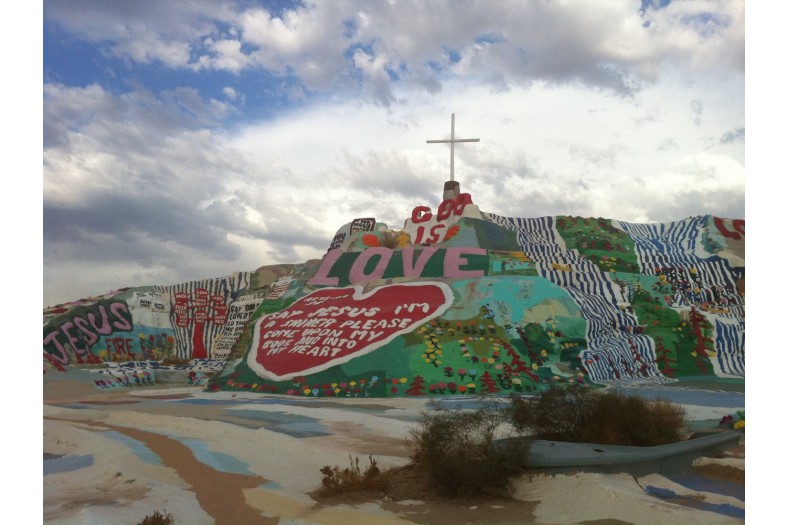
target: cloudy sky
191 139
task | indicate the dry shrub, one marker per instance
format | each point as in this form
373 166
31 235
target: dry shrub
389 239
454 449
558 414
338 480
582 415
158 518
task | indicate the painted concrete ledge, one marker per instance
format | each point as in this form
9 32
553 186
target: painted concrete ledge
546 454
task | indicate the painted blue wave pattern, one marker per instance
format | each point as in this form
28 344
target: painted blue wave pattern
729 345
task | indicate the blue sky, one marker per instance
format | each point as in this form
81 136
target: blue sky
186 140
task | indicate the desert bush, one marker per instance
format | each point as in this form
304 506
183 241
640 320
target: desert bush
559 414
336 479
158 518
454 447
583 415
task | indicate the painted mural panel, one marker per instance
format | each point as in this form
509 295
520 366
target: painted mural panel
343 268
143 324
334 325
340 237
493 335
345 233
150 308
494 304
75 337
238 316
107 331
200 311
426 227
501 335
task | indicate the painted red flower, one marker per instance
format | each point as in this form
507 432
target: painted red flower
370 240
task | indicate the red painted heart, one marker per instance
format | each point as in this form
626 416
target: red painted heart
334 325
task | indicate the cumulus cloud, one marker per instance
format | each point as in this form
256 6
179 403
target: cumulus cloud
238 134
382 47
130 184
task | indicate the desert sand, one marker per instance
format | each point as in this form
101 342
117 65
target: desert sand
117 456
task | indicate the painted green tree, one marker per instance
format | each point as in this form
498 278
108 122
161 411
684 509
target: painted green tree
536 341
679 341
600 242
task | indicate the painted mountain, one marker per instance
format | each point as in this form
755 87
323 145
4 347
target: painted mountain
458 301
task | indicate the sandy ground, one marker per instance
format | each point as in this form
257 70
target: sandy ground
117 456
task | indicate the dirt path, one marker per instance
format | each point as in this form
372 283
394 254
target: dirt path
220 493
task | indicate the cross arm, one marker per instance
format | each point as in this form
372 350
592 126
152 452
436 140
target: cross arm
451 140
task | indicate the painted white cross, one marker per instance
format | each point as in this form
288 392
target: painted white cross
451 141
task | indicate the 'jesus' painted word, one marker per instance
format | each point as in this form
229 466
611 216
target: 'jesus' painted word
82 330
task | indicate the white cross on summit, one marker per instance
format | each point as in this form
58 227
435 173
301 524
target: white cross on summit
451 141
